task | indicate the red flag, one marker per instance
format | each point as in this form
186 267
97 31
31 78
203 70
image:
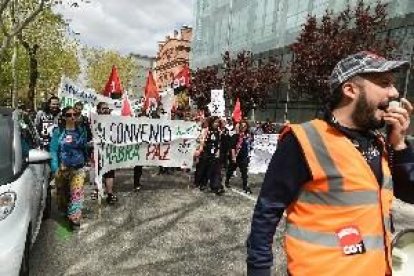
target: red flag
237 113
182 78
126 109
151 91
113 85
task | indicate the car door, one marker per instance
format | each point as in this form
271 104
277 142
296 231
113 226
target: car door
37 171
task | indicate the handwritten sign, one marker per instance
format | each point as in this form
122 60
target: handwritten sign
167 99
69 93
125 142
263 148
217 104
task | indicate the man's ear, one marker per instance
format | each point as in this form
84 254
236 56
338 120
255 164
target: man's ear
350 90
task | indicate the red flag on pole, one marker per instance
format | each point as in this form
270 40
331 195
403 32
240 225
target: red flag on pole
113 85
151 91
237 113
126 109
182 78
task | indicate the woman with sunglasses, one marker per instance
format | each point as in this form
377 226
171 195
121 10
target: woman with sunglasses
68 149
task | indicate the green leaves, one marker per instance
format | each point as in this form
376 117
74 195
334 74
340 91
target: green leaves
100 64
45 53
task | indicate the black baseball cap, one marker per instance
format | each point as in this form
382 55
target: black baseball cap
361 63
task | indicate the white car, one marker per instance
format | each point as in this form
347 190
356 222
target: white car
24 191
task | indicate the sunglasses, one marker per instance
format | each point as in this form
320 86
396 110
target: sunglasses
70 114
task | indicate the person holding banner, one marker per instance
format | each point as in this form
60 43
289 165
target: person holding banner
198 156
68 150
210 167
335 178
239 154
138 169
108 178
82 120
225 140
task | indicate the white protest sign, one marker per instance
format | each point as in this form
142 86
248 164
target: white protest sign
69 93
263 147
125 142
167 100
217 104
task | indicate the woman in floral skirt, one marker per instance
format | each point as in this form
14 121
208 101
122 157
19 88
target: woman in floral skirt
68 149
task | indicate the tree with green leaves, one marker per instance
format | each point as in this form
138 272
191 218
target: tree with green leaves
13 20
41 53
50 54
100 64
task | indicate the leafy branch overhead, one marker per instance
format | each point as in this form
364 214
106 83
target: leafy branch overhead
12 28
44 52
100 62
321 44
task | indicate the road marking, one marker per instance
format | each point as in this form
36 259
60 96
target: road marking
243 194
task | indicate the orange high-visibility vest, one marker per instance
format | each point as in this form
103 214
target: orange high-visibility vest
340 223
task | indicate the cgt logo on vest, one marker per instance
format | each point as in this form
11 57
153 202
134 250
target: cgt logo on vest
350 240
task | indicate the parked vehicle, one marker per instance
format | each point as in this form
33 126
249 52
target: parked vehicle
24 191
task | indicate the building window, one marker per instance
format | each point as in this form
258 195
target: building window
319 7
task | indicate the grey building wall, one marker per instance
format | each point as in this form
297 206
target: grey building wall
267 27
144 64
260 25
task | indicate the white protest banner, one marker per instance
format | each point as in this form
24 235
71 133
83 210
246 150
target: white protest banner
263 147
69 93
125 142
217 104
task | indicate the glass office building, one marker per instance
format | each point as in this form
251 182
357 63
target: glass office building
267 27
263 25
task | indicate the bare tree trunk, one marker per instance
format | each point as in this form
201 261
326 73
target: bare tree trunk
33 72
14 75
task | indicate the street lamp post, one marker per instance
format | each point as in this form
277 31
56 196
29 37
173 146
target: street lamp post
285 115
229 22
253 113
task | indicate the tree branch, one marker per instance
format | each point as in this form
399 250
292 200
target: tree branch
19 28
3 6
29 19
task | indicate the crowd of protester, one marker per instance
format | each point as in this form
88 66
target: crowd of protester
223 147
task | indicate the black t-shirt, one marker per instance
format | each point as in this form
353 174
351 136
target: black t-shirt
225 143
212 143
244 147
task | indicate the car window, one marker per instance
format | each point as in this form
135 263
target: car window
6 148
29 137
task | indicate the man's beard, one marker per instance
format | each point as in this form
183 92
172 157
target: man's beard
364 114
54 111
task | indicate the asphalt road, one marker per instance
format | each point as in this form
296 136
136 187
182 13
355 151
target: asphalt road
168 228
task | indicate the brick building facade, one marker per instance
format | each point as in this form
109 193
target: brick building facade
173 54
